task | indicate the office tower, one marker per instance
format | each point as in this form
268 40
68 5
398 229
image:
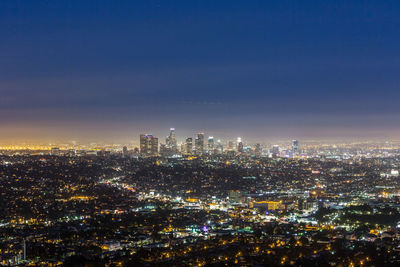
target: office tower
257 150
199 143
143 144
220 147
189 145
239 145
295 147
125 151
148 145
182 148
153 146
210 142
171 141
163 150
275 151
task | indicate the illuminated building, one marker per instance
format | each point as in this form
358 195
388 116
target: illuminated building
199 143
269 205
239 145
275 151
171 141
235 196
295 147
143 144
148 145
189 145
210 144
257 150
163 150
220 147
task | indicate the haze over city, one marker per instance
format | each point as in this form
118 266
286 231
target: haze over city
199 133
265 69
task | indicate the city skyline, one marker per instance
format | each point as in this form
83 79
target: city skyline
122 138
199 133
263 69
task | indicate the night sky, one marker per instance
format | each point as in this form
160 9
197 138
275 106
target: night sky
109 70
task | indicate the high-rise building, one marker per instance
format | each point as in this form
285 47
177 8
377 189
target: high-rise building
239 145
143 144
189 145
295 147
163 150
220 147
257 150
153 146
210 144
171 141
199 143
124 151
148 145
275 151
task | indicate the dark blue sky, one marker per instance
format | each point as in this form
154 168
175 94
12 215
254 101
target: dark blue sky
259 69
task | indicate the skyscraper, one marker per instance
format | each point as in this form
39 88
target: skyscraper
148 145
143 144
275 151
295 147
257 150
171 141
163 150
153 146
210 144
199 143
239 145
189 145
220 147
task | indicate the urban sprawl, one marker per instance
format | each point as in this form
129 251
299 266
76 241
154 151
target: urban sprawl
201 202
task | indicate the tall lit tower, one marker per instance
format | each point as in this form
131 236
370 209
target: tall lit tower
148 145
143 142
189 145
257 150
275 151
171 141
239 145
295 147
199 143
153 144
220 147
210 144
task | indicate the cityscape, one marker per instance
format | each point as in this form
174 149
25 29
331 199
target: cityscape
201 201
200 133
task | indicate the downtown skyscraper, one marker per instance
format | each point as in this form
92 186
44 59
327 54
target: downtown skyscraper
148 145
189 145
199 144
171 141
